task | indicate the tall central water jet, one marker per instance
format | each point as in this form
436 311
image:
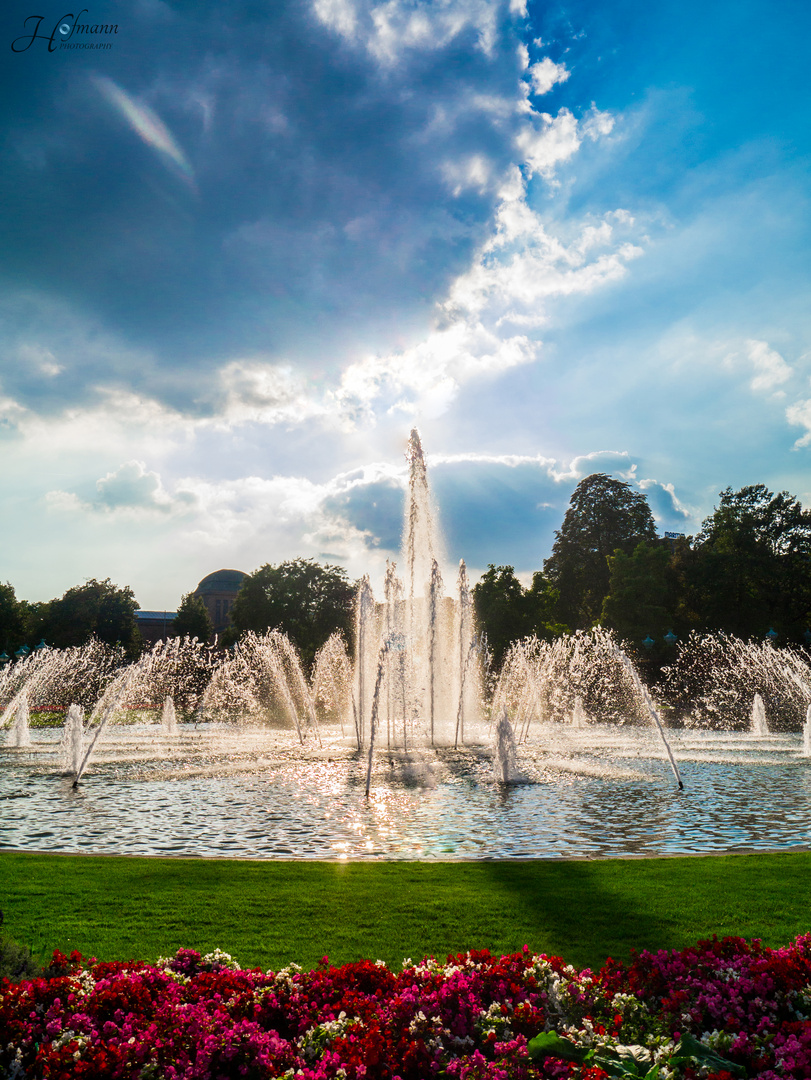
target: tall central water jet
416 653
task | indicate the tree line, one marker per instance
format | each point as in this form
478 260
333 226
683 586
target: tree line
307 600
746 572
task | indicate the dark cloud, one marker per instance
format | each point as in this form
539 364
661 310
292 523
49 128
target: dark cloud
665 507
314 201
497 513
488 511
491 511
377 508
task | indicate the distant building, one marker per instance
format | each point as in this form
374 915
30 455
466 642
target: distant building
155 625
218 592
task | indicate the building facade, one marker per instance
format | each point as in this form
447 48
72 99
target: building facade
155 626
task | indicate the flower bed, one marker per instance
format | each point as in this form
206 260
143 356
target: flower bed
719 1010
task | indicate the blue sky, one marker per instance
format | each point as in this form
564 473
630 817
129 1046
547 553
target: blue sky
248 247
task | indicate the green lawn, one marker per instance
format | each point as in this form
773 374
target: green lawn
272 913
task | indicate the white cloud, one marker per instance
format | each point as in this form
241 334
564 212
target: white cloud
269 519
772 370
483 329
799 414
510 461
474 172
426 378
616 462
131 489
388 31
257 391
663 501
547 141
518 269
107 428
596 124
522 265
37 358
339 15
545 74
12 414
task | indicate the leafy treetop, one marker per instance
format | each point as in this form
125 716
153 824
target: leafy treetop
604 516
305 599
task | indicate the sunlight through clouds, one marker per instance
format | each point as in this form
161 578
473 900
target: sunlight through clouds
551 238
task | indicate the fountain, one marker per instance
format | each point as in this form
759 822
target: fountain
759 725
505 755
20 730
578 714
168 717
71 746
411 748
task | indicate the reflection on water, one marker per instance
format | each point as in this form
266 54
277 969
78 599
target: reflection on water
219 791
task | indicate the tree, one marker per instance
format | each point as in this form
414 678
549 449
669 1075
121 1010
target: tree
12 620
752 566
507 612
604 516
637 603
192 619
96 609
304 599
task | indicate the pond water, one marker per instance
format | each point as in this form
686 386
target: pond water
223 791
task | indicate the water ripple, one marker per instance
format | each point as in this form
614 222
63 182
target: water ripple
267 799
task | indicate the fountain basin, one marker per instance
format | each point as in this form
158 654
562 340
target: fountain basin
219 790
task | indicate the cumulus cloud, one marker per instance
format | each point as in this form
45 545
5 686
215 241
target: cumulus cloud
523 265
426 378
767 371
331 186
665 506
545 141
799 414
616 462
219 314
546 74
772 370
488 503
11 415
131 489
256 391
518 270
390 30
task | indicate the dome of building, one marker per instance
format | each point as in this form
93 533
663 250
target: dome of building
227 581
218 592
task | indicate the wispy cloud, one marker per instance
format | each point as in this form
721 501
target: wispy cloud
146 124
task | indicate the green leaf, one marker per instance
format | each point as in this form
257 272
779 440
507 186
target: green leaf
614 1066
690 1049
629 1061
550 1044
639 1055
